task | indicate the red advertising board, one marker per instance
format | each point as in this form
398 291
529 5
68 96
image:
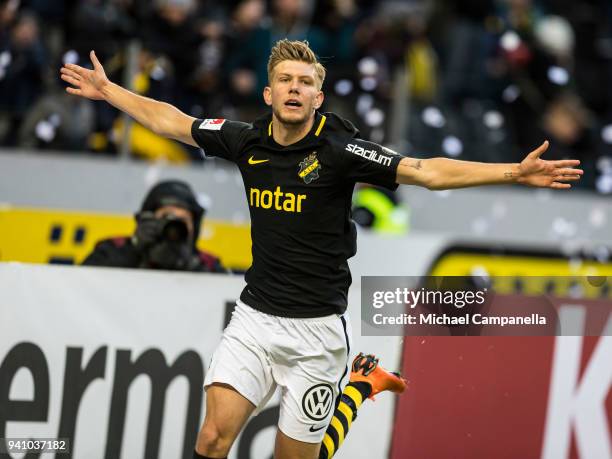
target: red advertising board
505 397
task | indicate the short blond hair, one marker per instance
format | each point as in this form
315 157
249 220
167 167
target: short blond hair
287 50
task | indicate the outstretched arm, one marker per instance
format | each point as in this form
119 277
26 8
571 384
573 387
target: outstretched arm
443 173
160 117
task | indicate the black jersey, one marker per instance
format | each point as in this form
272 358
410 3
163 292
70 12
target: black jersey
299 198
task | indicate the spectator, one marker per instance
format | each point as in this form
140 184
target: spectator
485 76
23 61
291 19
191 39
102 24
167 230
245 19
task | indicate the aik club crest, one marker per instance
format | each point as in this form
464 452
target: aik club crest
309 168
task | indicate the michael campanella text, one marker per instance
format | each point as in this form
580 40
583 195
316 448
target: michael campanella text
467 319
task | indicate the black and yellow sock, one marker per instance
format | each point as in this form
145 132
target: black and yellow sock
351 399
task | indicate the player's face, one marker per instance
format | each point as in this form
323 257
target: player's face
294 92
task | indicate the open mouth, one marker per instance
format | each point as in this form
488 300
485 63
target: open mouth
292 103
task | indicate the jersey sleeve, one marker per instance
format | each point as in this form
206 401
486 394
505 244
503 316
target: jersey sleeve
368 162
220 137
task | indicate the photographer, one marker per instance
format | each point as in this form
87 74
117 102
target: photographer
167 229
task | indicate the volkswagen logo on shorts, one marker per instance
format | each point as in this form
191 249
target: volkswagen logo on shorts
317 401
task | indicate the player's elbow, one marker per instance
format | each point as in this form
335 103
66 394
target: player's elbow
168 122
421 172
438 178
167 130
432 181
435 184
158 128
162 126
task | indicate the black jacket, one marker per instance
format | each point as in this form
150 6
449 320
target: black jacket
119 252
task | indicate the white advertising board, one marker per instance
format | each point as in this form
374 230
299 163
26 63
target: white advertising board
114 360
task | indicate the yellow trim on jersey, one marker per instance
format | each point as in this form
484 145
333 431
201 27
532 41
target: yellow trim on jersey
318 131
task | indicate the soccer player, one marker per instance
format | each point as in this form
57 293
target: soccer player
299 168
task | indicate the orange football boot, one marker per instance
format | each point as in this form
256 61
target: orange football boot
366 369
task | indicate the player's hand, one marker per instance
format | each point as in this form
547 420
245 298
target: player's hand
534 171
148 231
87 83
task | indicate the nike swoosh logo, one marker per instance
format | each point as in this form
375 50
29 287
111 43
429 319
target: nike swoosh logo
312 429
253 161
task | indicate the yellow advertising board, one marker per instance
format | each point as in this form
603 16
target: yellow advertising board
34 235
527 271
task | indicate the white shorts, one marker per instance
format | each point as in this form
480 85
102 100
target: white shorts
306 358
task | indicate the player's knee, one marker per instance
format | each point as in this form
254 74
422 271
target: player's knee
212 441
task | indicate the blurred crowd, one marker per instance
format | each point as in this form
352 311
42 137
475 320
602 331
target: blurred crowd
473 79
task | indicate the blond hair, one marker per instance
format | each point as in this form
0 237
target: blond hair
286 50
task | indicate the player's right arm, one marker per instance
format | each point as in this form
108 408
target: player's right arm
162 118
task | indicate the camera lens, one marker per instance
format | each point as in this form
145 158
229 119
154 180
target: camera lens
175 230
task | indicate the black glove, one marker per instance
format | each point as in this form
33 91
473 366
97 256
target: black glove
148 231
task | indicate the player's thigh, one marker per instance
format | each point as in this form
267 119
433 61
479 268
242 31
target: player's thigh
227 411
240 361
288 448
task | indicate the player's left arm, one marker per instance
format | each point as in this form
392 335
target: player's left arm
443 173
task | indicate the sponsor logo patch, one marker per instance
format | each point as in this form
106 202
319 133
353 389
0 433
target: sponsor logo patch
253 161
212 124
276 200
371 155
318 401
316 429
